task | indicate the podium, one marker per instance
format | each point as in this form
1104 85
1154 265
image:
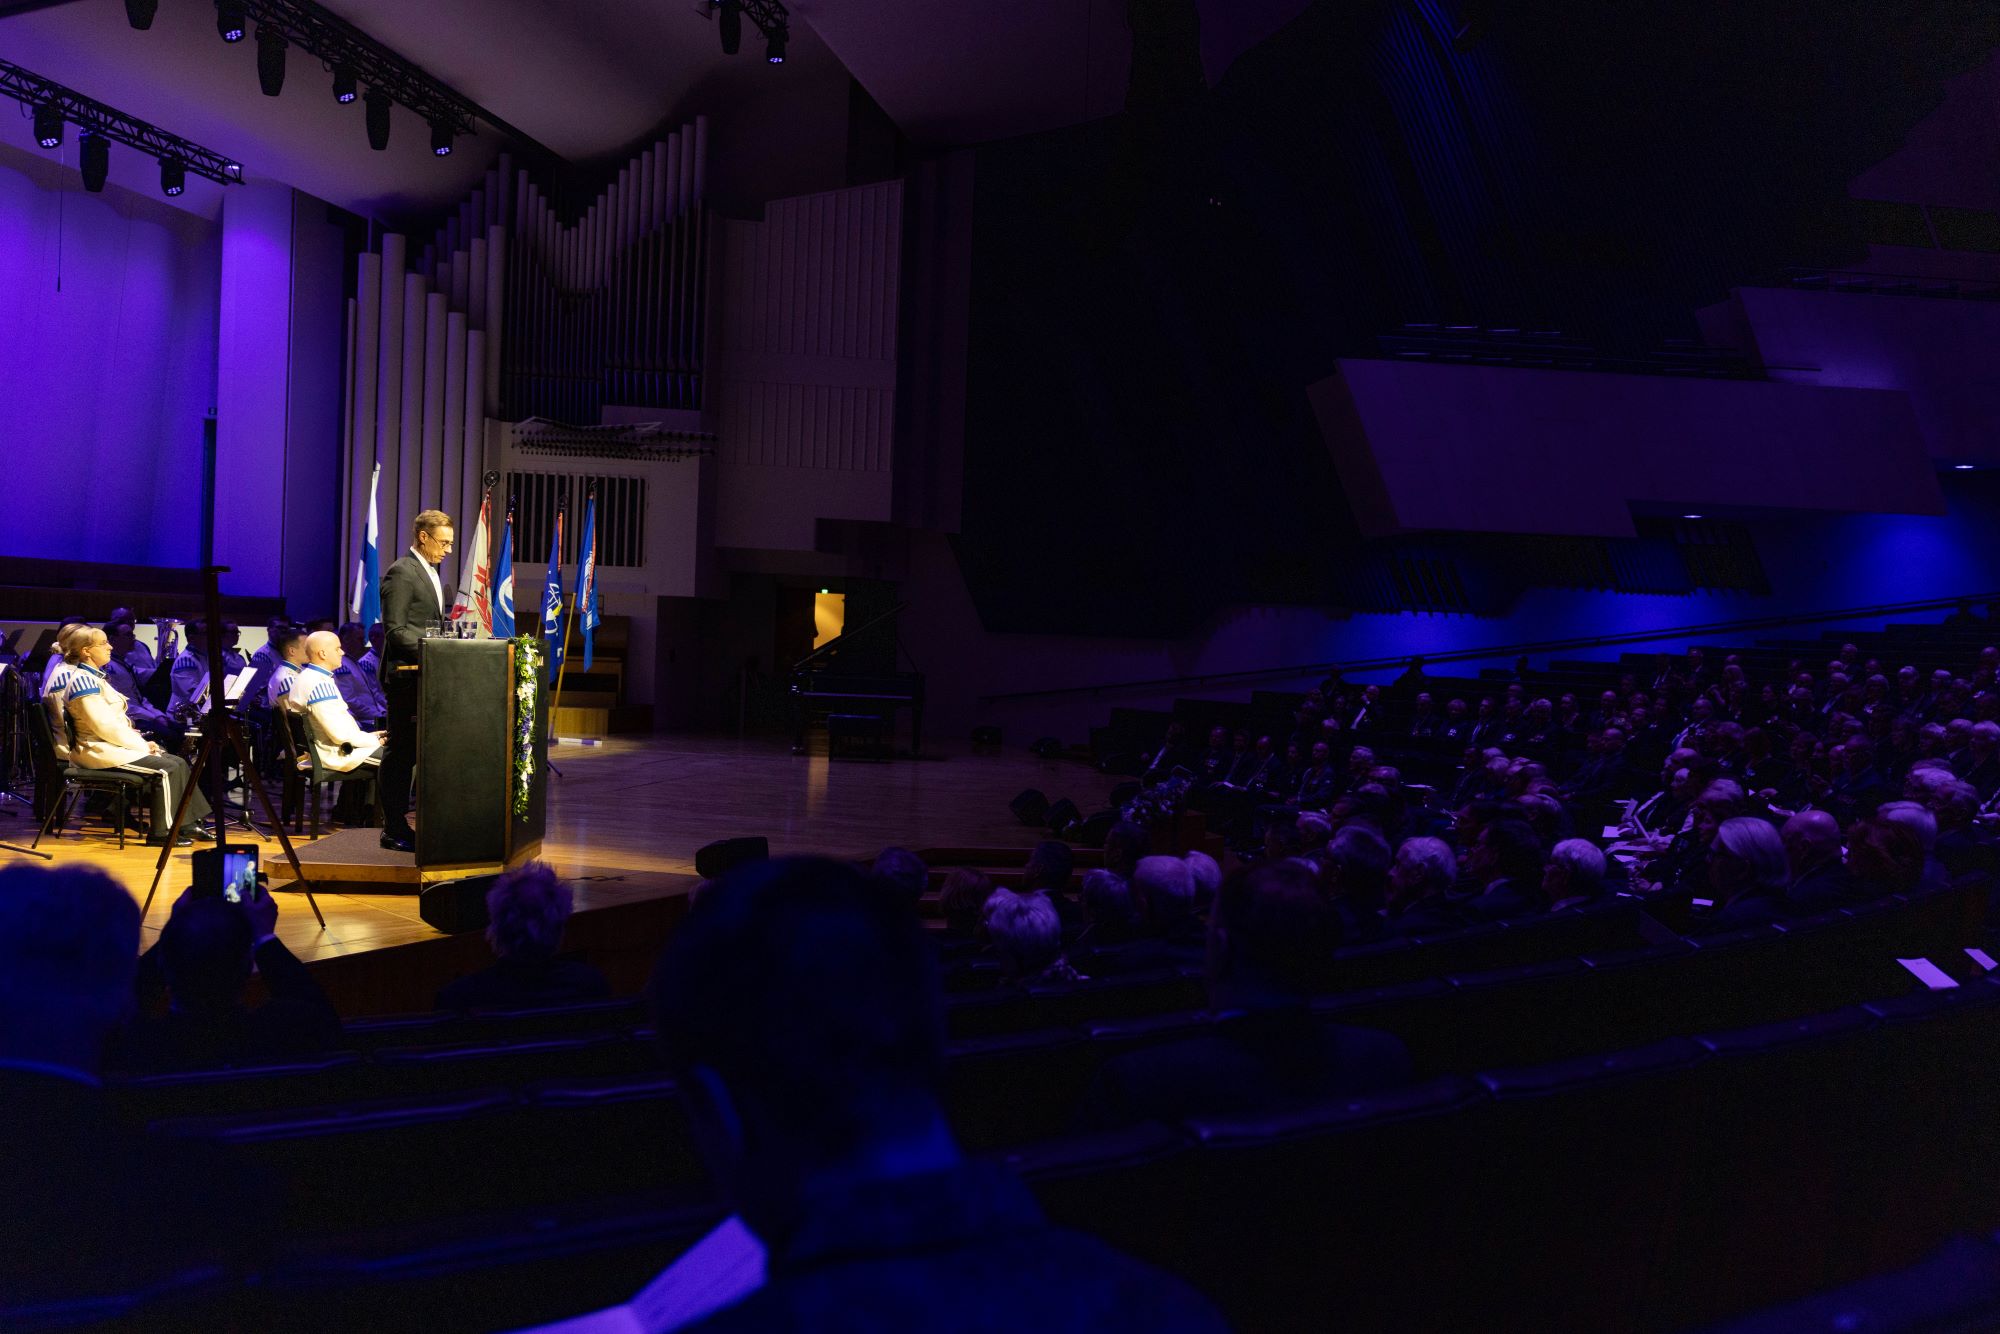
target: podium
470 742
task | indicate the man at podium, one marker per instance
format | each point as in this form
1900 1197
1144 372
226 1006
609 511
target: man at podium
414 598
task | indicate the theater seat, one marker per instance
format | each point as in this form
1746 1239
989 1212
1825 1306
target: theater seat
334 1077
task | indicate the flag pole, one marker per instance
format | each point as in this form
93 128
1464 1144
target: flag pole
555 699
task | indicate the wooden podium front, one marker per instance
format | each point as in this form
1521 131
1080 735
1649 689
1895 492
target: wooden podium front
469 742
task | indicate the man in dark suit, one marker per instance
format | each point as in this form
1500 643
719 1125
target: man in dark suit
414 598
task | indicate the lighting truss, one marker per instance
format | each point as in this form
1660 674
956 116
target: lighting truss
771 17
88 114
338 43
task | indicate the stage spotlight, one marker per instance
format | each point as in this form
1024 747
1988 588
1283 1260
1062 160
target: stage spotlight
271 46
774 48
377 103
343 84
730 24
173 176
48 125
139 13
94 157
233 170
229 20
442 132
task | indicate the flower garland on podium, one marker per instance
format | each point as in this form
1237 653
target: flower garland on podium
527 678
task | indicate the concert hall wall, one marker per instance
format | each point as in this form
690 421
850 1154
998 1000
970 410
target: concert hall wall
1812 562
107 367
1153 291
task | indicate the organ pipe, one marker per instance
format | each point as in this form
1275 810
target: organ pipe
508 311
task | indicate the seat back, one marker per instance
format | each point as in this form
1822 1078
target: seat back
42 742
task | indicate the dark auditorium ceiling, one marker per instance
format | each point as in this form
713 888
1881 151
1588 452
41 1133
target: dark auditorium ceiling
589 80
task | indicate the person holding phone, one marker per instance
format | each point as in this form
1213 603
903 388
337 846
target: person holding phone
205 955
106 739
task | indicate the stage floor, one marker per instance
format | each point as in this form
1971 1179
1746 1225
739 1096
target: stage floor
626 817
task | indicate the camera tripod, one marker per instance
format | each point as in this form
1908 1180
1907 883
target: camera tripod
225 726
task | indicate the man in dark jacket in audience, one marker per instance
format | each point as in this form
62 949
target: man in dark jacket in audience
205 955
1507 860
803 1019
1271 945
1820 881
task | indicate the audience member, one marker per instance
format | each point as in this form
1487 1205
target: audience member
812 1076
1207 875
1124 845
526 911
1420 884
204 957
1747 875
1574 876
1354 875
1164 889
91 1207
1110 916
962 902
1027 937
904 875
1507 862
1819 880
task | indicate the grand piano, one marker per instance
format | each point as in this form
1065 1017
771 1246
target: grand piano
852 683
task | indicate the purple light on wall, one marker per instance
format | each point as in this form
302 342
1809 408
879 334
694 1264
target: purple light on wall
1962 467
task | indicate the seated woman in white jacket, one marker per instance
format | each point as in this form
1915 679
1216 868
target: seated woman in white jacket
106 739
337 739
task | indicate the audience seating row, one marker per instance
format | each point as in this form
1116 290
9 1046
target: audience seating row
1603 1191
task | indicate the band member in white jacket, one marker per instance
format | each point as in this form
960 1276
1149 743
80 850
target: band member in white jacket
337 739
106 739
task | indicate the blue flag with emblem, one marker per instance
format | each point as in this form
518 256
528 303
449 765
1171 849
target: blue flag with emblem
586 579
552 623
503 583
367 605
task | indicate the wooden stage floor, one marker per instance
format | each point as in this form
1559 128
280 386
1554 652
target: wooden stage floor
626 818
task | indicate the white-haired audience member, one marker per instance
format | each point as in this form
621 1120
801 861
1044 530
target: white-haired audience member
1574 876
1420 883
1109 914
1747 874
1027 936
526 911
1207 878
